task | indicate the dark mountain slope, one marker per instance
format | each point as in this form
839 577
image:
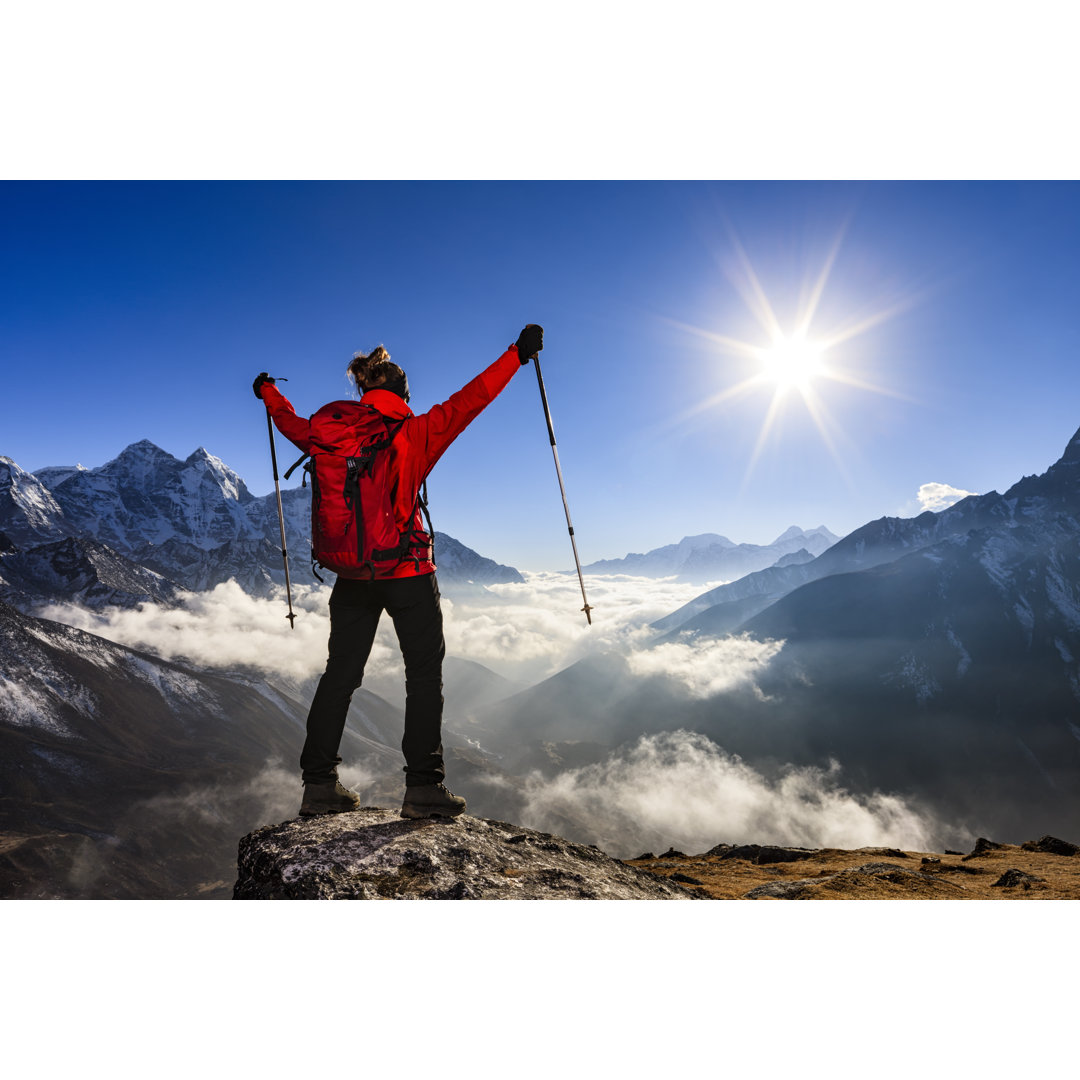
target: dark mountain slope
123 775
80 571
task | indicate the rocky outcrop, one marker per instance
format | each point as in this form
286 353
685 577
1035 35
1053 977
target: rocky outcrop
372 854
761 853
1051 845
1013 878
982 846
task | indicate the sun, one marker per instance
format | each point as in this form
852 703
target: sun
789 362
792 362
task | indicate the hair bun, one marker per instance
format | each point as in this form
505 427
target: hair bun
372 369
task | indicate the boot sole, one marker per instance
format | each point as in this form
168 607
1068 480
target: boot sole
418 812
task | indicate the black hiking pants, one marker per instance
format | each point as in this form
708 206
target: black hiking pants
355 607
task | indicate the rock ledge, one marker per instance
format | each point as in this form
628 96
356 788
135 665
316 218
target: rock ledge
372 854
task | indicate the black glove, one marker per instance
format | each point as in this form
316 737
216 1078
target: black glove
530 341
261 378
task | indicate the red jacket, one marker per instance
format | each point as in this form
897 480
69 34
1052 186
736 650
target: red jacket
419 444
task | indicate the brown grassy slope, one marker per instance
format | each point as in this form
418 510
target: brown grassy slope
876 873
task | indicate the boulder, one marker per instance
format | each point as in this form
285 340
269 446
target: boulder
373 854
1011 878
1051 845
982 846
760 853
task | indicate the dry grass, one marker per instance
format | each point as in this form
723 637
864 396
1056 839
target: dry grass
880 874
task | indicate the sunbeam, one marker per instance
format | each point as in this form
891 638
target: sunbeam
792 363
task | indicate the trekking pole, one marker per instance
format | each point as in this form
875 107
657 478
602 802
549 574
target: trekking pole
562 487
281 520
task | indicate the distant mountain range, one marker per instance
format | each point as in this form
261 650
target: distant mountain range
711 557
145 524
937 656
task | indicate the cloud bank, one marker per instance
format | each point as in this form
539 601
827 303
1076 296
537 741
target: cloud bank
937 497
224 629
707 668
524 632
679 789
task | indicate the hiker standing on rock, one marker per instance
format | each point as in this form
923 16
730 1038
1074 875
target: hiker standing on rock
367 526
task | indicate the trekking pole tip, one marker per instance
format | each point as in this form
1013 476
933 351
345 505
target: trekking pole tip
588 613
292 620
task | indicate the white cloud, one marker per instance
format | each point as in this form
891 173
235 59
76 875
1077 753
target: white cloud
937 497
679 789
224 628
523 631
707 668
529 631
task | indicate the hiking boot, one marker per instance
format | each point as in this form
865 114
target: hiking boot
329 798
431 800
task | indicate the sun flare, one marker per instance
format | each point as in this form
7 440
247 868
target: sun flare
792 362
792 367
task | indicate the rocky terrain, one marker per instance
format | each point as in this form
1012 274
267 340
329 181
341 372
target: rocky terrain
1044 869
372 854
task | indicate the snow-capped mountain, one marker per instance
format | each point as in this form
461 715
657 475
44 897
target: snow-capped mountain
145 496
28 512
872 544
193 523
710 556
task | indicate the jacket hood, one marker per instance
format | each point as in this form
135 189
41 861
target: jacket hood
387 402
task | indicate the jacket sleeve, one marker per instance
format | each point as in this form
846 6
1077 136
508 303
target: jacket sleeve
436 429
293 427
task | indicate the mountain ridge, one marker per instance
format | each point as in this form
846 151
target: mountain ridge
881 541
192 522
711 556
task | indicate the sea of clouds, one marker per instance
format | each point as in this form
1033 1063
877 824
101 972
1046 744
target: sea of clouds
679 789
676 788
524 632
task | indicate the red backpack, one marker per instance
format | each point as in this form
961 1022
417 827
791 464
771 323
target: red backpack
353 532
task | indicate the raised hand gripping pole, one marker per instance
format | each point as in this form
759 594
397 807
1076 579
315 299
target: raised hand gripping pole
562 487
281 521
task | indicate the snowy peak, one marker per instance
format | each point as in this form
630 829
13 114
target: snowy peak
192 521
52 475
28 512
137 463
795 533
213 470
145 496
712 557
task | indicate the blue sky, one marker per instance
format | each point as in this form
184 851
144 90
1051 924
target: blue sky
143 310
